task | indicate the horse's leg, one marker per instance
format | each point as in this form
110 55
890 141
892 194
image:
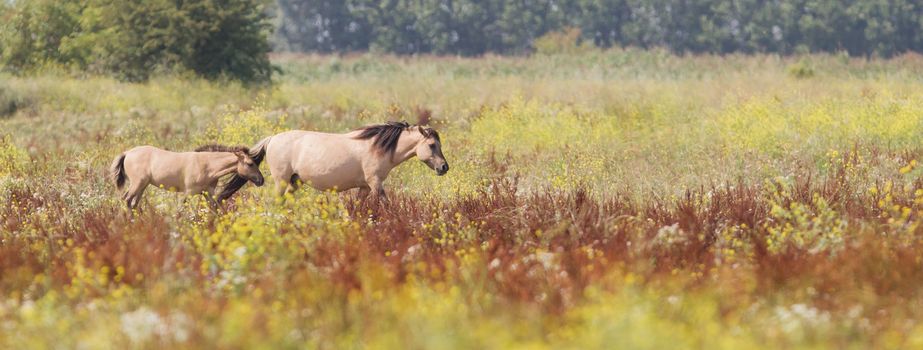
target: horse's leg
282 182
294 183
281 188
364 205
135 193
290 185
135 200
376 188
126 195
363 192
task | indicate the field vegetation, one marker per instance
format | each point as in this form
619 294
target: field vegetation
611 199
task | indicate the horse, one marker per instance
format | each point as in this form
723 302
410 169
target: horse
190 172
361 159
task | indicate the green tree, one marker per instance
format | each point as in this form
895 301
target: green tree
133 39
321 26
601 21
37 33
523 21
232 41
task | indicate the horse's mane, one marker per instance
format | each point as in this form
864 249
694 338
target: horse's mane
385 136
222 148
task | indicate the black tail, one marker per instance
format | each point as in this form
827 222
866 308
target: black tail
257 152
117 171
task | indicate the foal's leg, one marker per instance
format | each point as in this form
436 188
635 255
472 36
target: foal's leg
207 193
210 198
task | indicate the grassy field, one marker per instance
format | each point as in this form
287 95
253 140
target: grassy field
618 199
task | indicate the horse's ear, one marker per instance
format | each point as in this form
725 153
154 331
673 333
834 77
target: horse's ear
428 132
240 154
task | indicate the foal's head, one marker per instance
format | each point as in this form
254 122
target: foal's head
429 149
247 168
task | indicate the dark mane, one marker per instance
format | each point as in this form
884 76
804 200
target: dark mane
222 148
385 136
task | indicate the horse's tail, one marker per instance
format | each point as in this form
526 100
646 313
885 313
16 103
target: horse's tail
117 171
258 153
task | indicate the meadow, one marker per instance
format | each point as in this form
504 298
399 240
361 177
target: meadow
612 199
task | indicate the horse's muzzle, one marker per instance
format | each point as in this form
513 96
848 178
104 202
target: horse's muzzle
442 169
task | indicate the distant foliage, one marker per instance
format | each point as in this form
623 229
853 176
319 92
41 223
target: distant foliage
38 33
566 41
801 70
11 101
468 27
132 40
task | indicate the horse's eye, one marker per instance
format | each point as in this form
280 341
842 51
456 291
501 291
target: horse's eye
432 146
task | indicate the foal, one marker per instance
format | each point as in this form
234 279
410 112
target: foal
359 159
189 172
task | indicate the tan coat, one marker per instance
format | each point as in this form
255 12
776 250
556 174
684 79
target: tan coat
188 172
341 162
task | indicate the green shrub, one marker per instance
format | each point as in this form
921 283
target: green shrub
801 70
132 40
10 102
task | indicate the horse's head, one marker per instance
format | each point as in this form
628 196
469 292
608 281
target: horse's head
429 150
248 168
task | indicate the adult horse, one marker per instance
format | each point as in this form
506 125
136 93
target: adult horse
190 172
362 158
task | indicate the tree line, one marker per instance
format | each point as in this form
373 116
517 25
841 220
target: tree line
474 27
133 40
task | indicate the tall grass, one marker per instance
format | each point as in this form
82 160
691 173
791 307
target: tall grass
617 199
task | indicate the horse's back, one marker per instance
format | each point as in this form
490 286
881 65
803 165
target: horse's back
279 152
323 160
